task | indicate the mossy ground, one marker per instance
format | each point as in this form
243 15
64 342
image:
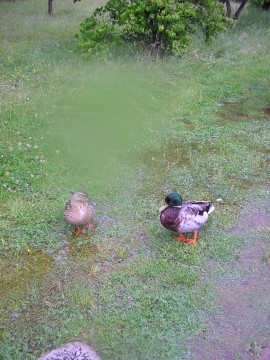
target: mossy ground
196 125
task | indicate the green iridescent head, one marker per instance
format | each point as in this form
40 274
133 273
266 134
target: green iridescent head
174 199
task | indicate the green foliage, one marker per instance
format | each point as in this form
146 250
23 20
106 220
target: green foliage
165 26
263 4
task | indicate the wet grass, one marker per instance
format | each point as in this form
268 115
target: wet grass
197 125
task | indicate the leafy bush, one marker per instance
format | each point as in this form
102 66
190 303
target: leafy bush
163 25
263 4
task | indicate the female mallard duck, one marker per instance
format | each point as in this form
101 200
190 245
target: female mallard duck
79 210
184 217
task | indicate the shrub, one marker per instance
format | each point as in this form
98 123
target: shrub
263 4
158 25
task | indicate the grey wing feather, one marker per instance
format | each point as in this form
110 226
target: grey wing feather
195 207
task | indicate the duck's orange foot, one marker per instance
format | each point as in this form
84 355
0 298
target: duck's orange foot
180 238
190 241
78 231
193 240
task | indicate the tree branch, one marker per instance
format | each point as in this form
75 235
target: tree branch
241 7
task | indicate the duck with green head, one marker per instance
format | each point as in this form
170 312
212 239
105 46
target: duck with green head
184 217
79 210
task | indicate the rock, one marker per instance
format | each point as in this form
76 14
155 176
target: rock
75 350
219 200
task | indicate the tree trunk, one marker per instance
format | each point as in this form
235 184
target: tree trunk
229 9
241 7
50 7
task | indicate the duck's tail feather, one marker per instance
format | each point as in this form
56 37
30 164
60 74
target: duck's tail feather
211 208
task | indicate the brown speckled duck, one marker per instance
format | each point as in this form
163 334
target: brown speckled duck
184 217
79 210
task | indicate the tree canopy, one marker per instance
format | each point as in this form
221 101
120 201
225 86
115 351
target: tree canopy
157 25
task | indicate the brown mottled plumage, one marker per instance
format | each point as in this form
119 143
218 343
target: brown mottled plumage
79 210
169 218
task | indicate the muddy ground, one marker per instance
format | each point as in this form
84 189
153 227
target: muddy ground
241 329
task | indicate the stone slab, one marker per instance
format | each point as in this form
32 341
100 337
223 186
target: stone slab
75 350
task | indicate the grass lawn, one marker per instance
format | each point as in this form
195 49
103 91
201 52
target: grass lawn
128 132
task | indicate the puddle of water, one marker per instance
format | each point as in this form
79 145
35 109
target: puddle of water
171 153
232 111
160 161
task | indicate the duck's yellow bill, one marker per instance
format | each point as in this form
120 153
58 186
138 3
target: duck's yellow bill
163 208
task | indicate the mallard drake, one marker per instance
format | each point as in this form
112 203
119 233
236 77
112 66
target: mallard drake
184 217
79 210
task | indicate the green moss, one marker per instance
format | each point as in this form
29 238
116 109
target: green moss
19 270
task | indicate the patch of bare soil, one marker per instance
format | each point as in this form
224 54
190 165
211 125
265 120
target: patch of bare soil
266 110
241 330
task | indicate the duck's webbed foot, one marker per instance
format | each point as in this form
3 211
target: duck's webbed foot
180 238
78 231
193 240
